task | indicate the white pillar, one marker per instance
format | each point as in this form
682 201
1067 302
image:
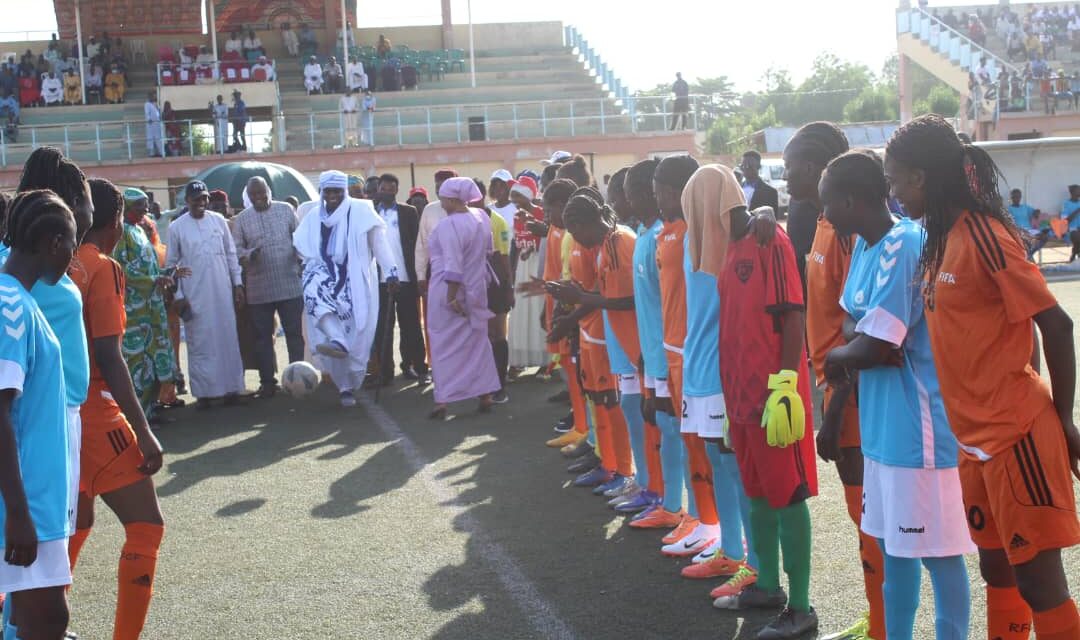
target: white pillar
344 39
472 47
212 25
79 41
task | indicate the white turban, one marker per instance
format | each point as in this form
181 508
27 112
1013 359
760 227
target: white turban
333 180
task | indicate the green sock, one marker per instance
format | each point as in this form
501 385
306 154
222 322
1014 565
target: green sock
795 540
765 523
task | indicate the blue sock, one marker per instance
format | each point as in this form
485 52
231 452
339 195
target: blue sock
731 468
901 594
635 423
952 596
727 490
672 454
8 629
688 477
589 409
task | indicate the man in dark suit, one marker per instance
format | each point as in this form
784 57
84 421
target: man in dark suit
402 228
758 192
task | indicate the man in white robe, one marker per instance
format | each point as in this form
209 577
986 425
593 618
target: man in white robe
340 244
313 76
201 241
52 89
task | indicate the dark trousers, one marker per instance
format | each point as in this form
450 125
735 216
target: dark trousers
406 309
238 137
262 320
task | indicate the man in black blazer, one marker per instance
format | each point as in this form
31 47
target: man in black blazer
758 192
402 229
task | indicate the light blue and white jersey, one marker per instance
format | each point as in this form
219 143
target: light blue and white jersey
647 301
30 365
901 412
701 349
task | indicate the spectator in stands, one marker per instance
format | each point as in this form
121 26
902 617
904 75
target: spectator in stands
1027 220
205 56
1074 31
185 59
240 119
682 101
154 146
206 72
264 65
357 79
9 106
350 117
976 30
313 76
173 131
72 87
26 64
1032 44
93 48
43 67
95 84
367 118
1070 212
52 90
950 19
982 72
52 56
1014 46
333 75
115 86
8 82
219 113
308 41
383 47
1074 87
253 47
234 44
289 40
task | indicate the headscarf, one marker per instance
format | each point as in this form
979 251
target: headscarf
353 180
463 189
133 195
710 195
337 244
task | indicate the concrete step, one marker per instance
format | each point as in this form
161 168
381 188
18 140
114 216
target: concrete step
440 97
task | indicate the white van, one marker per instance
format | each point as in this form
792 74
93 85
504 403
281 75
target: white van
772 172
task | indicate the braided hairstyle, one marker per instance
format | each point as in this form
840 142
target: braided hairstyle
617 182
817 143
587 207
859 172
33 215
576 169
958 176
47 168
108 203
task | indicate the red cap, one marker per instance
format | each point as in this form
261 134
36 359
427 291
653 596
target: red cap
418 190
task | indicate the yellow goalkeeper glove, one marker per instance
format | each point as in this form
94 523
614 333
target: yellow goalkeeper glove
784 418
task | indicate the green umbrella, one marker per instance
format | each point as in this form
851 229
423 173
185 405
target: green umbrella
232 177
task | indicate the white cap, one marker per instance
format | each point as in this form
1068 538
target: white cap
502 174
557 157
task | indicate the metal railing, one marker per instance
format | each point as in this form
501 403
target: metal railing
603 71
330 130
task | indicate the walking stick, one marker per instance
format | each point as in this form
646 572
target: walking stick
387 342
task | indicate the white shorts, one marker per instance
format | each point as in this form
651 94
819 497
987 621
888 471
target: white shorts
74 424
706 416
662 390
919 513
51 569
629 384
649 382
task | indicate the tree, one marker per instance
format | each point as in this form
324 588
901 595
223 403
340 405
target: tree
874 104
942 101
831 85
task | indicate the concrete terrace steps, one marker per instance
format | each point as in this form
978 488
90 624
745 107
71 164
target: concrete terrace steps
299 102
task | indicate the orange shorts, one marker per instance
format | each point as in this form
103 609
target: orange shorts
110 457
595 369
1022 499
849 430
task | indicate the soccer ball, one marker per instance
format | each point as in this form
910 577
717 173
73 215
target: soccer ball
300 379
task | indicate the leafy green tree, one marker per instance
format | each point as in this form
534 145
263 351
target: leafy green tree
942 101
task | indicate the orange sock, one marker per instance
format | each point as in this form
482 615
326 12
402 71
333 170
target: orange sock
1008 616
652 458
577 397
620 440
873 564
701 479
138 562
75 545
1060 623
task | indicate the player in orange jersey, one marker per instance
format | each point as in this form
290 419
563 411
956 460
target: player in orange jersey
1016 434
119 453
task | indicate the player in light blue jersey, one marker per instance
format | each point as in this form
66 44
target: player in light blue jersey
35 469
912 500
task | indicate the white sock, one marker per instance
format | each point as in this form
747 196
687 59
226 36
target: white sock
705 531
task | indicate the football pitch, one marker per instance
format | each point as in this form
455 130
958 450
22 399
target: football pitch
296 519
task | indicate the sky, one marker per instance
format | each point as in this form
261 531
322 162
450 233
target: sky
707 38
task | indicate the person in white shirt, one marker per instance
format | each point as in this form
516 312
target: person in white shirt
252 45
289 39
234 44
356 77
313 78
220 113
52 90
332 75
93 48
367 118
350 117
205 56
265 65
154 145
